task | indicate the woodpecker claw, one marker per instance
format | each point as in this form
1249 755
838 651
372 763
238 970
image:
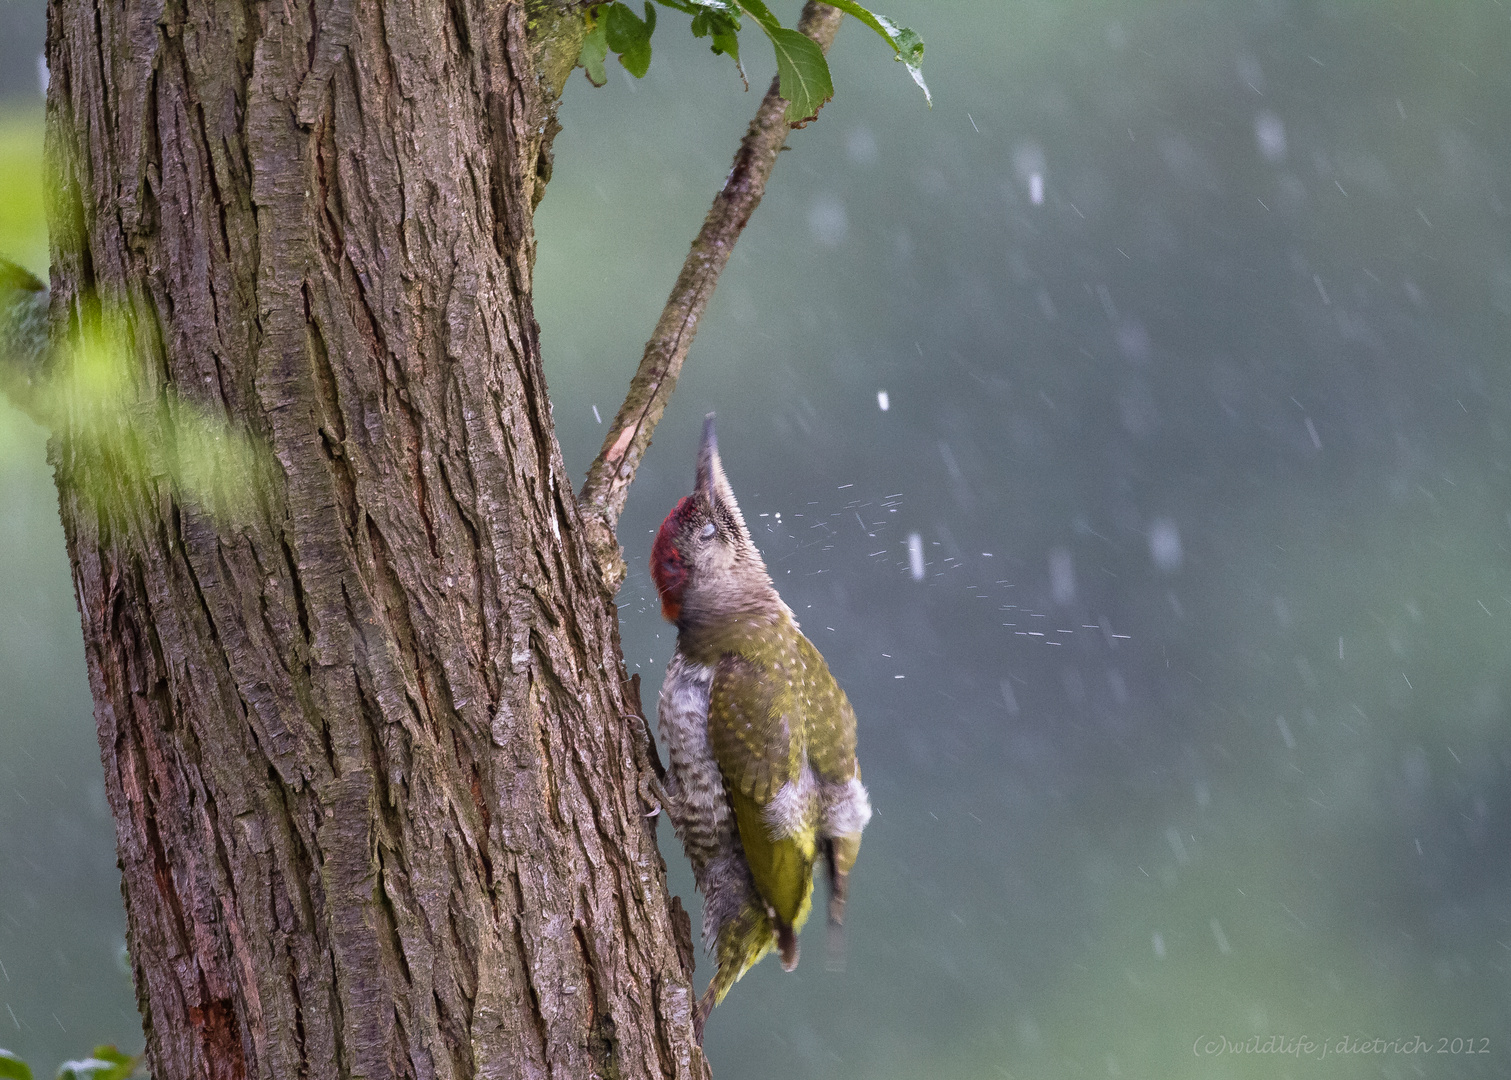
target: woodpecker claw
649 785
651 793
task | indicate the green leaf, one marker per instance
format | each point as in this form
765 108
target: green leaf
761 14
717 7
12 1067
804 73
905 43
93 1068
105 1063
724 29
595 47
800 65
718 19
630 37
108 1052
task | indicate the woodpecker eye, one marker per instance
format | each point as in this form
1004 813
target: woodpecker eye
708 531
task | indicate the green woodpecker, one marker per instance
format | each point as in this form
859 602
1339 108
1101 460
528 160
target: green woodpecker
763 779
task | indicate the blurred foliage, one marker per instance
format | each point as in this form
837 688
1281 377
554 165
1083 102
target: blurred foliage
126 433
132 438
103 1063
23 222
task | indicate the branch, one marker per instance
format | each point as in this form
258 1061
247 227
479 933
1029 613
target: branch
609 477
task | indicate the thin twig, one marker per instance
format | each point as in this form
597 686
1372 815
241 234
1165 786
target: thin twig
612 472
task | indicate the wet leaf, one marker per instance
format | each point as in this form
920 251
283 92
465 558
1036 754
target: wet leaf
804 73
904 41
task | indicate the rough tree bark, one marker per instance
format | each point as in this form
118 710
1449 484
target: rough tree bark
366 747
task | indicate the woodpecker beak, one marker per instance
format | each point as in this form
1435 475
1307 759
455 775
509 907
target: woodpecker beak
712 487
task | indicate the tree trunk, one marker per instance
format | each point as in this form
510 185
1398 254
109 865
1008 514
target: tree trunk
374 787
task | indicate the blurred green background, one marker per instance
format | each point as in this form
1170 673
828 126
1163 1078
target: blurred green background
1192 322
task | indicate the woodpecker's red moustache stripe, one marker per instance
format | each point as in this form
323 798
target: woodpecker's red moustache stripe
668 569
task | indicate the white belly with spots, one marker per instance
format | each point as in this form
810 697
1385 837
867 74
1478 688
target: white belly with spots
700 809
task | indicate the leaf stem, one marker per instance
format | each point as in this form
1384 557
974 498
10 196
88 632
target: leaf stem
609 477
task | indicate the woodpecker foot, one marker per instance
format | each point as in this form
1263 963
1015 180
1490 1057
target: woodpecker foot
652 793
649 784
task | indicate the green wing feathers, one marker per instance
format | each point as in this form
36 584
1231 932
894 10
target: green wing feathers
756 730
828 719
756 748
783 735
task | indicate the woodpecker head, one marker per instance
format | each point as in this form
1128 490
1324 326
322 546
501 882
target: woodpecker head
703 561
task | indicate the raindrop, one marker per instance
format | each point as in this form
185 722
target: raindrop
827 221
1285 733
1133 342
915 556
1062 576
860 145
1118 687
883 402
1177 845
1269 134
1221 938
1028 162
1165 546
